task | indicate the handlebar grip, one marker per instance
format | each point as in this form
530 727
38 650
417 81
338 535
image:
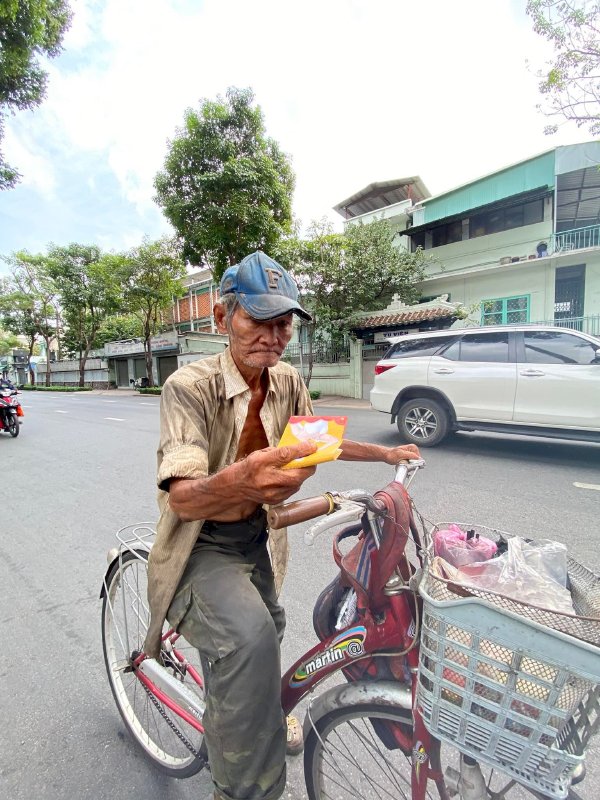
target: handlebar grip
300 511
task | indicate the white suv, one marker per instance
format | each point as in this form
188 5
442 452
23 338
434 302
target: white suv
527 379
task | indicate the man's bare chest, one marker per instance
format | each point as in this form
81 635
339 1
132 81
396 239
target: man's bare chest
253 436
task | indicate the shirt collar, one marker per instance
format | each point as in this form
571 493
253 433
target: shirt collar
234 382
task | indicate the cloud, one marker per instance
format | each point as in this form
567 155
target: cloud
355 91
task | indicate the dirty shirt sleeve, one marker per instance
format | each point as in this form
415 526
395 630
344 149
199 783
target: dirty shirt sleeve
183 448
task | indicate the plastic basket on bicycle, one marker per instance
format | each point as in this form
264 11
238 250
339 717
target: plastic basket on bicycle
513 685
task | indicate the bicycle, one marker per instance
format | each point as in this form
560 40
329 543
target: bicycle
502 717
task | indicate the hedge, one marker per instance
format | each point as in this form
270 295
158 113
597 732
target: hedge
36 388
151 390
314 393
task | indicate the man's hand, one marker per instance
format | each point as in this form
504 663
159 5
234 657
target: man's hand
234 492
263 479
404 452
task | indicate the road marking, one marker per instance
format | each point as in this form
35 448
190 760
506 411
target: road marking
60 412
149 404
594 486
115 419
109 401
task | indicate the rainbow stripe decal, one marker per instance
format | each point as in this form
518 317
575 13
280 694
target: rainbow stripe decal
348 645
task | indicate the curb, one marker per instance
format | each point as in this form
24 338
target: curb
342 402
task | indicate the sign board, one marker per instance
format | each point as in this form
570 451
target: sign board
164 341
384 336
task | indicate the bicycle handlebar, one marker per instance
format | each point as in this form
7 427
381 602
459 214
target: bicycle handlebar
325 504
300 511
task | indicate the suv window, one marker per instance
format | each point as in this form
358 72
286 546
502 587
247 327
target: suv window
554 347
411 348
480 347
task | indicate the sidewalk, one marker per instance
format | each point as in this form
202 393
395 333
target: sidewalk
335 401
330 401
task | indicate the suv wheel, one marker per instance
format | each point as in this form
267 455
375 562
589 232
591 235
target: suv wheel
423 422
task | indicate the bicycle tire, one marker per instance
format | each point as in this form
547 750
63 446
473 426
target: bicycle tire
138 710
391 769
350 779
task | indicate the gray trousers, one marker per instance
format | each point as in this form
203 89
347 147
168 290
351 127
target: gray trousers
226 606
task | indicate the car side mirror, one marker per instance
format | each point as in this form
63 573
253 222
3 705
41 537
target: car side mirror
597 358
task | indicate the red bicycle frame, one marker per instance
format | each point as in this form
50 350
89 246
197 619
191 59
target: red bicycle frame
392 631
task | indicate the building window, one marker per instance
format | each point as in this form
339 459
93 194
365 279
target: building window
505 310
492 221
503 219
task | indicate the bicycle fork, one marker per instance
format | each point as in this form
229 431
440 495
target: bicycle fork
467 782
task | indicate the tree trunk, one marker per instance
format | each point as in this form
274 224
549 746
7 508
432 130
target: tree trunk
30 368
148 354
83 356
47 340
311 357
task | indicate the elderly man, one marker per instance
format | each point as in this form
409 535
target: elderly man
210 573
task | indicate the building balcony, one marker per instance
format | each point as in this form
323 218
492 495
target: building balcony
576 239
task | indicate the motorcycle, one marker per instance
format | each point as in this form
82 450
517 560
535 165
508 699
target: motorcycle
10 411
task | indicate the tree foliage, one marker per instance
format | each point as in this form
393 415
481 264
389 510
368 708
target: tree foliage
29 304
29 29
571 81
226 187
341 274
150 278
8 342
87 283
118 327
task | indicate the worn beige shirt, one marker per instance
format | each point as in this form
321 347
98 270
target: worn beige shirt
203 410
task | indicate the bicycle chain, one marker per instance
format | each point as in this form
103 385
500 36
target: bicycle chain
172 725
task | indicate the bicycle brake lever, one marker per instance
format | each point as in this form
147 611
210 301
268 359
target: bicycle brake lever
349 512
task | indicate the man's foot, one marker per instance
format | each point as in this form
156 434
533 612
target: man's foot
295 737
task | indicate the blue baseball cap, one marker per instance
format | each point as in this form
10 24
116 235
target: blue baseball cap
263 288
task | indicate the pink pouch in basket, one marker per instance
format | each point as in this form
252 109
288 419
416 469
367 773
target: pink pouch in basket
460 547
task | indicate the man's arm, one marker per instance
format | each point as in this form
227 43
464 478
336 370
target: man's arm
365 451
234 492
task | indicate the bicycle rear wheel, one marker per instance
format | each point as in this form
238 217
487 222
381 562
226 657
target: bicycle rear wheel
125 616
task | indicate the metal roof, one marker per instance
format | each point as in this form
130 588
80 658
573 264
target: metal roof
533 174
578 198
382 194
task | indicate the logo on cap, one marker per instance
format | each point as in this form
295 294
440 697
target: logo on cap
274 277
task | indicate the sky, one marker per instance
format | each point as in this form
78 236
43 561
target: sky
355 91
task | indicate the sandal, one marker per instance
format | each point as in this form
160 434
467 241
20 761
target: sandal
295 737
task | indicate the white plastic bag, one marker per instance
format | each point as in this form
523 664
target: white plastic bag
530 572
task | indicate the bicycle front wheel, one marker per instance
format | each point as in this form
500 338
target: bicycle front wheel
350 753
164 737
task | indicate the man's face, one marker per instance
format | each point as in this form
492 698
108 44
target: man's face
258 343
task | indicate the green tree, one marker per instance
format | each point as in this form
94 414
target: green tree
29 29
571 81
87 284
340 274
30 303
226 187
150 278
8 342
118 327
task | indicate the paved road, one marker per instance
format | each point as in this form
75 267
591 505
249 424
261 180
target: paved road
84 465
